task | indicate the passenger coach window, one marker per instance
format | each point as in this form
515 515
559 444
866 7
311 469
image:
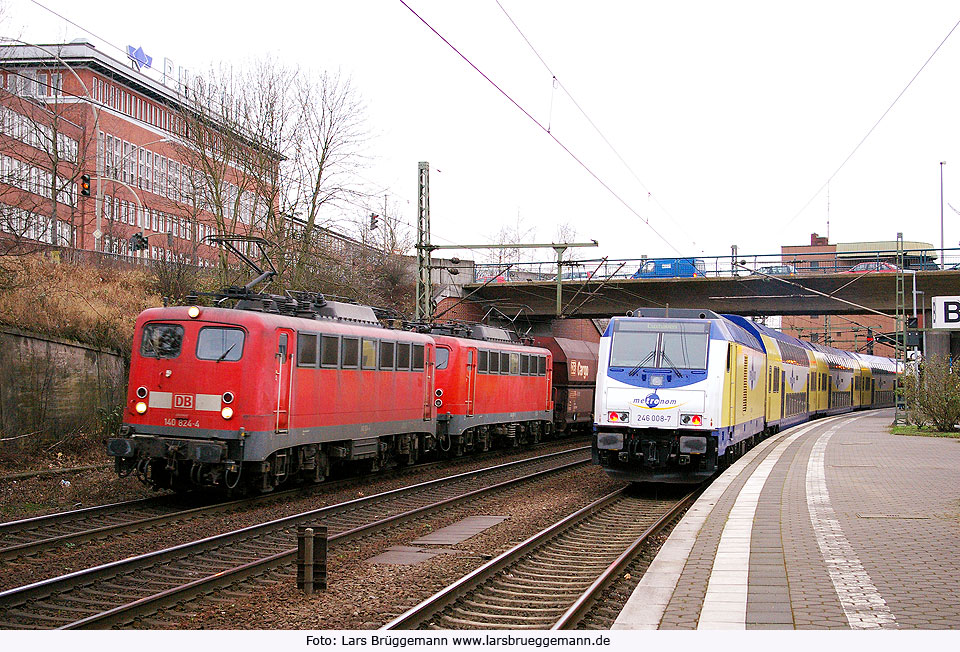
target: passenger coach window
220 344
306 350
369 354
403 356
351 353
481 361
418 357
443 357
161 341
386 355
329 351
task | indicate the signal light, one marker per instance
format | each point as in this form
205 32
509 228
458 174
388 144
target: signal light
138 242
85 185
374 221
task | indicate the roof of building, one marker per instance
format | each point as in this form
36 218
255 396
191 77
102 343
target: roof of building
87 55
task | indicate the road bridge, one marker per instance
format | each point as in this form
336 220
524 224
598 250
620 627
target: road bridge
748 295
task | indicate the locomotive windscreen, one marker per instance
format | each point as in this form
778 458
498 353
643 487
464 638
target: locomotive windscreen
680 345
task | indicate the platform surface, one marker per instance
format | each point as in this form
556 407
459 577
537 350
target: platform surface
833 524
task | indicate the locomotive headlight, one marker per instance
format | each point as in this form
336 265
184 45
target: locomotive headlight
140 407
193 312
227 412
691 419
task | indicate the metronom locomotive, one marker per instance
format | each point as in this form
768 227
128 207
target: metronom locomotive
681 394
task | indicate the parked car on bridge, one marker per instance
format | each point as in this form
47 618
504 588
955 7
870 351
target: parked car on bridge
777 270
493 276
575 275
872 266
671 268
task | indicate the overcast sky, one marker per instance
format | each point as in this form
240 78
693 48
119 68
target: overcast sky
729 117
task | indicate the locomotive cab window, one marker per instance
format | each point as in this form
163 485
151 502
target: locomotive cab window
161 341
541 365
443 357
220 344
514 364
676 345
525 364
494 362
482 361
504 363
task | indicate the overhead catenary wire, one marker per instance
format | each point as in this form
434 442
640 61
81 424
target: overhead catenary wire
556 83
543 128
875 125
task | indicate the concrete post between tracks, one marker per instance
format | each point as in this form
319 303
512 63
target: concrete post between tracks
311 558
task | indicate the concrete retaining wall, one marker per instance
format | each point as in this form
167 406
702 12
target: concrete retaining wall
56 387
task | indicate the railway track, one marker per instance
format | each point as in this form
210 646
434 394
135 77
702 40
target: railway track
122 591
35 535
553 579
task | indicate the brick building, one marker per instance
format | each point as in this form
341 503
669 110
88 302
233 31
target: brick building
67 112
851 332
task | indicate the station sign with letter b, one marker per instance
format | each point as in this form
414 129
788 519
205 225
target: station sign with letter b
946 312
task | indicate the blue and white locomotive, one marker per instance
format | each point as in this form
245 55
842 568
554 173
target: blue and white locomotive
682 393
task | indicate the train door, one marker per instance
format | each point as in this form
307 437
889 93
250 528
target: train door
428 363
732 381
284 375
471 376
783 393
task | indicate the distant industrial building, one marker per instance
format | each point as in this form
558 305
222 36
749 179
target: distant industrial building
867 332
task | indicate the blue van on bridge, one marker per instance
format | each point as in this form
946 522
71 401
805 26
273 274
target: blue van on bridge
671 268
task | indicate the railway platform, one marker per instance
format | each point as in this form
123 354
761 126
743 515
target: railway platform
833 524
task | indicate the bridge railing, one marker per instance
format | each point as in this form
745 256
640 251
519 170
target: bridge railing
780 264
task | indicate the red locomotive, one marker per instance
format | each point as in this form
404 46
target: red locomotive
279 389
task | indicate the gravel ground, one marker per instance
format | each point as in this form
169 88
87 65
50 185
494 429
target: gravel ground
46 494
361 595
102 486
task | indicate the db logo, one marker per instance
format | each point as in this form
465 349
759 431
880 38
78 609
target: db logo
183 401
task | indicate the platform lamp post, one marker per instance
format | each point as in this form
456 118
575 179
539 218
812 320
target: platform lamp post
93 107
942 265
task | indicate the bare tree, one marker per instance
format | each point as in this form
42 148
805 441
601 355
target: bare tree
269 150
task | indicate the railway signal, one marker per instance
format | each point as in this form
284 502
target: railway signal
138 242
374 221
